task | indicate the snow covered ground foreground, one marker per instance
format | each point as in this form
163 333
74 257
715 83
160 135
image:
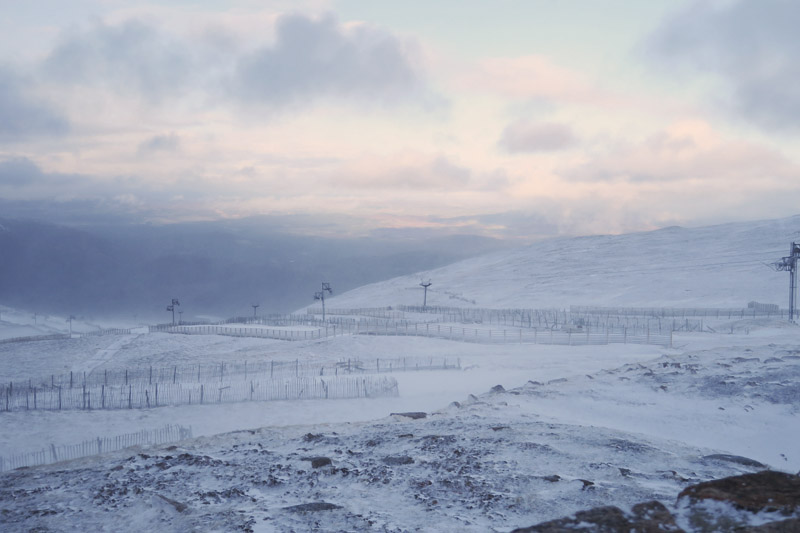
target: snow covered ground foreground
571 428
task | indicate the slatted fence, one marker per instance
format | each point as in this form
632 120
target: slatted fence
54 454
568 336
141 395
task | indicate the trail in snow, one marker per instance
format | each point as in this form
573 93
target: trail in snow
104 355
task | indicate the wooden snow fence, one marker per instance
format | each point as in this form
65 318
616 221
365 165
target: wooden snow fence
54 454
757 310
143 395
221 372
251 331
568 337
555 332
54 336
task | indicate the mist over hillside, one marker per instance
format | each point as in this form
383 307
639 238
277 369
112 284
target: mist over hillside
213 268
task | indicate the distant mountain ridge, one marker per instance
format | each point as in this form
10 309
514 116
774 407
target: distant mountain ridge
213 268
715 266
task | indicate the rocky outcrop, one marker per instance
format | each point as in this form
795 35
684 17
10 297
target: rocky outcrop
650 517
764 502
766 491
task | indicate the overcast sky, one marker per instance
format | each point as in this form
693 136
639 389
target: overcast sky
520 118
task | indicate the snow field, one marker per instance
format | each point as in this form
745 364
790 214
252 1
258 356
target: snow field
571 428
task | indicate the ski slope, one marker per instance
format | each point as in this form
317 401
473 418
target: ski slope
716 266
571 427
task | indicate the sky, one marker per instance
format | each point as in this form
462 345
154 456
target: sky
511 119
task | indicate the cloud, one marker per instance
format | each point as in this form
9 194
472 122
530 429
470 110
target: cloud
752 46
688 150
532 78
404 171
19 172
129 57
316 58
160 143
310 59
23 116
524 136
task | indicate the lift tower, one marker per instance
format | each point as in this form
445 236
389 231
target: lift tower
789 263
321 296
425 285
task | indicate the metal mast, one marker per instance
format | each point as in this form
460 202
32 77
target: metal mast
320 295
425 285
789 263
171 307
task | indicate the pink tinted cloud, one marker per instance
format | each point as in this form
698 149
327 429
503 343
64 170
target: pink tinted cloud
688 150
531 77
526 136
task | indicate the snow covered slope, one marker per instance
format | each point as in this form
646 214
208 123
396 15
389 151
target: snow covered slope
572 427
715 266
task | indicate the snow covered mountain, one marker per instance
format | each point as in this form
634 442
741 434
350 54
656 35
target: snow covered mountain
715 266
569 427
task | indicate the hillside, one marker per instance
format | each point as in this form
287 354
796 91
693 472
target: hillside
715 266
215 268
514 433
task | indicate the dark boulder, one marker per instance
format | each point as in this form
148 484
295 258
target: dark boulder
763 491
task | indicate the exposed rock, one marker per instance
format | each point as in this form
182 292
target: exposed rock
318 462
398 460
653 516
312 507
180 507
497 389
414 415
744 461
762 491
648 517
